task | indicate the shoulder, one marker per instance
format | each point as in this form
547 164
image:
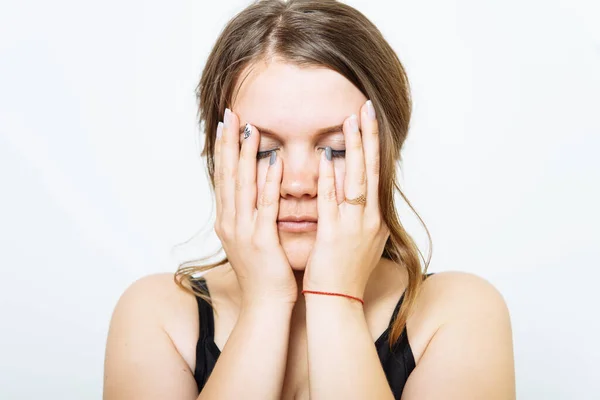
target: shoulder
456 293
155 290
156 298
453 297
165 315
465 339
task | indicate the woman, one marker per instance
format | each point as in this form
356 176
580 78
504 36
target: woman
305 108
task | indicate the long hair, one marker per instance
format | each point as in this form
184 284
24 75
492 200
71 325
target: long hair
324 34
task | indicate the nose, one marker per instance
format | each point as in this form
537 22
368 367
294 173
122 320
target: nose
300 174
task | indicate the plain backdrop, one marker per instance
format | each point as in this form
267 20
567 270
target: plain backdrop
101 176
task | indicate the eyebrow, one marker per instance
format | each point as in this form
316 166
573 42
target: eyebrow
319 132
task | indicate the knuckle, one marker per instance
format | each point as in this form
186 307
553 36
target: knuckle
226 232
362 177
218 180
265 201
355 144
240 184
329 175
218 229
374 166
226 140
227 172
270 179
330 195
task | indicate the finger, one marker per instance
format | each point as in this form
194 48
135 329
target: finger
326 194
355 183
268 203
370 129
216 167
245 194
230 148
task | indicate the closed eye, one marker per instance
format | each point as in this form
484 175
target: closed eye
267 153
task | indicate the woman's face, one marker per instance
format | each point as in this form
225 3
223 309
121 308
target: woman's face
293 104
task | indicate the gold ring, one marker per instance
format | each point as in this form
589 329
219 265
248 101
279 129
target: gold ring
359 200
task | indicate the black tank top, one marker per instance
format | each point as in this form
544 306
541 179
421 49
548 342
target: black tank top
397 364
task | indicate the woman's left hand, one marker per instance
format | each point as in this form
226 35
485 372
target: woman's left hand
350 237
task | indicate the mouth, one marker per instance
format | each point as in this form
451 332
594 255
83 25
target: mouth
297 226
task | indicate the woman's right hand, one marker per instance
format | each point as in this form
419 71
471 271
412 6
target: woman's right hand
247 226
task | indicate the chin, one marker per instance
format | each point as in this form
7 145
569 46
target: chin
297 249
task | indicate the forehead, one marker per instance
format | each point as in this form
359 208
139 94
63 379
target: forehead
295 101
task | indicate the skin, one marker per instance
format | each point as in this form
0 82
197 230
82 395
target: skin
297 118
459 333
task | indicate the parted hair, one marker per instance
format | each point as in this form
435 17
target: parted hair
318 33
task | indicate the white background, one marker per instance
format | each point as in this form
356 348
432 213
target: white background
101 176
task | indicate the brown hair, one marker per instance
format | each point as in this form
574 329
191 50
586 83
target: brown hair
324 34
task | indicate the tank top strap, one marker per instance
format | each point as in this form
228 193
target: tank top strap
205 311
396 310
399 304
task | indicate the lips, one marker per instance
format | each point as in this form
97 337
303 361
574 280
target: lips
297 226
298 218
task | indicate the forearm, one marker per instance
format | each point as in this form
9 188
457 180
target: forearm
252 363
343 362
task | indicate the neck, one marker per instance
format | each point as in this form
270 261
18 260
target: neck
385 280
299 311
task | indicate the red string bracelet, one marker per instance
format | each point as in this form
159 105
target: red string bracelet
334 294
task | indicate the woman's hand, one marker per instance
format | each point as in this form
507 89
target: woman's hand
246 227
350 237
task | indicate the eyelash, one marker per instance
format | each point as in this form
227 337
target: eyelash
334 154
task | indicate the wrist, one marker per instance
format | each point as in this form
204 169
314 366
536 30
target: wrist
267 306
334 294
332 304
354 289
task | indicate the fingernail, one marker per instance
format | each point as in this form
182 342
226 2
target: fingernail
354 123
227 117
219 130
273 157
371 110
247 131
328 153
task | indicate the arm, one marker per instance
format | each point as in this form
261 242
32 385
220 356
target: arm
252 364
351 237
142 362
470 356
342 359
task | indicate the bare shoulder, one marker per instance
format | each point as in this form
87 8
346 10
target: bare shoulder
157 293
463 338
457 293
153 288
159 300
152 334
